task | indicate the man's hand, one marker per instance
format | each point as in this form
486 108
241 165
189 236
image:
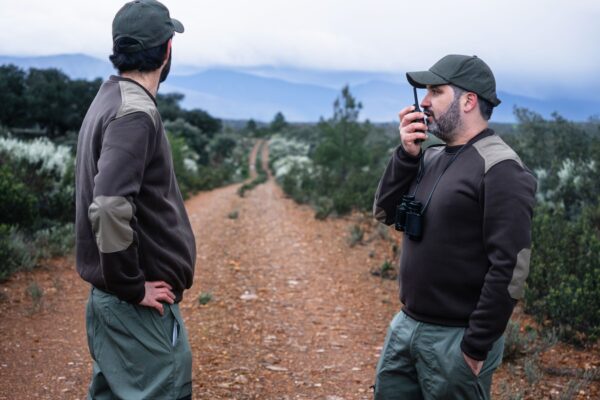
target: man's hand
409 131
473 364
156 292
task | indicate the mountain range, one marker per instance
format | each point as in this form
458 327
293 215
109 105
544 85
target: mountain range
302 95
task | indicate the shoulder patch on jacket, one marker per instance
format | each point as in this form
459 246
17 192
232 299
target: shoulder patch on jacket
135 99
431 151
494 150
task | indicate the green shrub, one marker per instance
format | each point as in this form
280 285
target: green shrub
205 298
223 161
517 343
356 235
36 293
184 164
260 179
387 270
299 185
17 204
191 135
55 241
36 178
36 202
233 215
15 252
564 283
323 207
210 177
19 250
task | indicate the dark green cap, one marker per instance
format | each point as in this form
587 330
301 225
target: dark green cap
467 72
147 22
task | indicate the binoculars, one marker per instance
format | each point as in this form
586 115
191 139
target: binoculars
409 217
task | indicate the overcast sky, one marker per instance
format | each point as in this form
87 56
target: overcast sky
528 44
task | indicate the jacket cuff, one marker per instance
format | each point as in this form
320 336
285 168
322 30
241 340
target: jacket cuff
140 296
403 155
474 353
133 294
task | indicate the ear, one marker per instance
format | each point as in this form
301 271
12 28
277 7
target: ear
470 102
168 50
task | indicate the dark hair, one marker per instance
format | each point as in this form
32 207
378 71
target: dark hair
485 107
146 60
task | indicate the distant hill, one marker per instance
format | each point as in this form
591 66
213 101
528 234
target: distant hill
302 95
76 66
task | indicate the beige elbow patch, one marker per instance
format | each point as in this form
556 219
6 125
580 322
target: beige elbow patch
111 217
516 288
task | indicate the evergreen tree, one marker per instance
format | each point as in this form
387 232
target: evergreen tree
12 90
279 123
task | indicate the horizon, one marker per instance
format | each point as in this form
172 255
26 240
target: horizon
302 95
354 36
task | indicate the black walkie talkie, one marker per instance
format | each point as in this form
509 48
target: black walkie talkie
418 109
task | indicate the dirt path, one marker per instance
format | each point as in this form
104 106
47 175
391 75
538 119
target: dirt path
252 158
295 313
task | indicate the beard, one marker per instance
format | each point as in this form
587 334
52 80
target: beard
165 71
445 127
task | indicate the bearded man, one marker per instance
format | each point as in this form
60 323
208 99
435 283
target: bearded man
467 244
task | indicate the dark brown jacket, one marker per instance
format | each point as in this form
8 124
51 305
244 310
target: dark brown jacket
131 223
470 266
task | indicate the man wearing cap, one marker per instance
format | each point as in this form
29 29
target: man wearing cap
461 277
135 245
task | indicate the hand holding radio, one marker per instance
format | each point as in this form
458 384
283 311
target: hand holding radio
412 130
413 126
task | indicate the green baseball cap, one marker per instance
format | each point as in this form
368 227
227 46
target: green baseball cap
467 72
147 22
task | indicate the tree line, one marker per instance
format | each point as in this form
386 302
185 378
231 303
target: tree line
49 103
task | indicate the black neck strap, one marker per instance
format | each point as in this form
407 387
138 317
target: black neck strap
422 172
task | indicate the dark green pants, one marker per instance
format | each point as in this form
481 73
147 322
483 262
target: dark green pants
133 352
424 361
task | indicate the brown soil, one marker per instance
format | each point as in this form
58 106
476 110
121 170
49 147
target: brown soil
295 312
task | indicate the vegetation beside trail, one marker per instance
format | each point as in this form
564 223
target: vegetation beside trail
336 165
333 165
261 174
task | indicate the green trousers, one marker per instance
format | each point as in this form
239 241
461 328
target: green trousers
133 350
425 361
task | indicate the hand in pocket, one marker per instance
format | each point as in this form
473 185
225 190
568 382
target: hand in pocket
473 364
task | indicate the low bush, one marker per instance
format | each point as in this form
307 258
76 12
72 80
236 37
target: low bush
15 251
205 298
563 288
233 215
518 343
386 270
17 204
36 183
21 250
54 241
356 235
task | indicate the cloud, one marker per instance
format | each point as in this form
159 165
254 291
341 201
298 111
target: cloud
534 41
